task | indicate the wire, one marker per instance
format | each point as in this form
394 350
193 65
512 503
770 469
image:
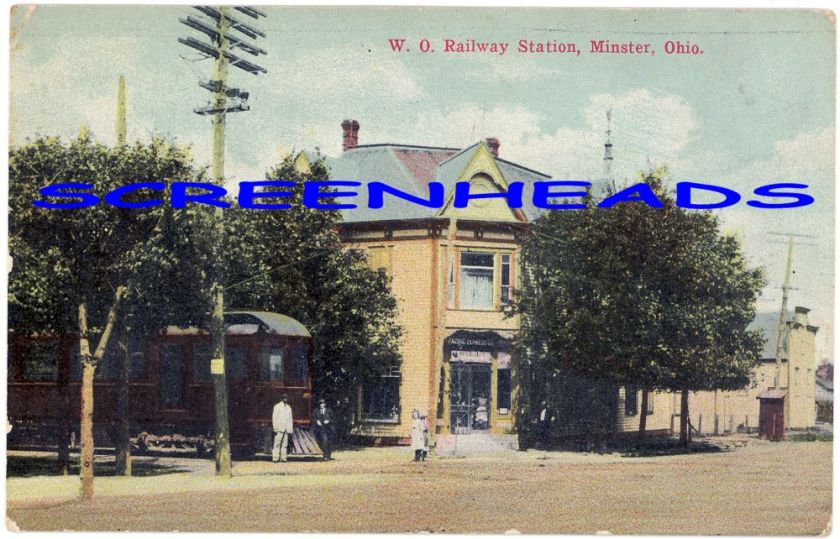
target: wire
266 273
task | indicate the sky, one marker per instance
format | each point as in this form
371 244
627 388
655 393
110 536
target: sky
756 107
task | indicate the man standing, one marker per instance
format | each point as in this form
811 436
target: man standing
544 422
283 425
324 428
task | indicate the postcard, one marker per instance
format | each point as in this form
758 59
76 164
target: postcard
420 269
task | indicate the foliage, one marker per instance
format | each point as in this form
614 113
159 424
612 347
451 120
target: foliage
63 257
291 261
634 295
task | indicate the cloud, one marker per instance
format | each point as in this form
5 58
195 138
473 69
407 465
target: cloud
646 126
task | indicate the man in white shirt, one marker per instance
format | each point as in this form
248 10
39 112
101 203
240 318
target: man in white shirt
283 425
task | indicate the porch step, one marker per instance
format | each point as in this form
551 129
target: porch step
462 445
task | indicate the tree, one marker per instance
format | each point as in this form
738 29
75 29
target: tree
655 298
291 261
81 271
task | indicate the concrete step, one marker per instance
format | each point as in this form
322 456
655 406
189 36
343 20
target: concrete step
450 445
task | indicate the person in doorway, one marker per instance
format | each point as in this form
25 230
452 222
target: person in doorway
544 421
419 434
283 425
324 428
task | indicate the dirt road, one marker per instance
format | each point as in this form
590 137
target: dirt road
764 488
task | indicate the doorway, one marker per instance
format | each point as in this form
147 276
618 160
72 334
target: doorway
469 397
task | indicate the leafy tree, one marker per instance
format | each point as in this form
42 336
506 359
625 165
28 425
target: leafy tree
291 261
638 296
97 270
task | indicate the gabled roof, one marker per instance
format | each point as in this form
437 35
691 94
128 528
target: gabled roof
410 168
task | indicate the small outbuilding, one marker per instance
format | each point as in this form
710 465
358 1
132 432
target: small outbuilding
771 418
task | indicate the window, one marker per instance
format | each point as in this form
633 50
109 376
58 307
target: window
40 360
476 291
202 354
271 363
107 367
451 292
650 404
504 280
171 375
631 400
503 390
236 362
379 259
137 359
382 399
298 368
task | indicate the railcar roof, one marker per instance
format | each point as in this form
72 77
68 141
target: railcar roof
252 322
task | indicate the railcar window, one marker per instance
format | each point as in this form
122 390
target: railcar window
137 360
236 358
171 375
202 353
271 363
297 364
106 369
40 361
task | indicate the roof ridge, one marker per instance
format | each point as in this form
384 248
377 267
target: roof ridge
407 146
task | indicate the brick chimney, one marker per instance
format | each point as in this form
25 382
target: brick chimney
493 143
350 139
800 316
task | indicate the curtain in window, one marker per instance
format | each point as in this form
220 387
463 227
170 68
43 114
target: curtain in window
476 288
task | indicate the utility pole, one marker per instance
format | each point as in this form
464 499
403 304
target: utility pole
777 380
121 111
223 41
782 315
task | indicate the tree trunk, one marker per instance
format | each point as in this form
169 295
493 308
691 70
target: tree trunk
64 424
89 362
123 430
684 419
643 416
86 431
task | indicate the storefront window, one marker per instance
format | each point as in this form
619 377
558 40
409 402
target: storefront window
382 399
503 390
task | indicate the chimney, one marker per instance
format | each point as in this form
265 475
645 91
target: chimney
350 139
493 143
800 316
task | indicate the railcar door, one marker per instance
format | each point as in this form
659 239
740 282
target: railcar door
171 357
240 385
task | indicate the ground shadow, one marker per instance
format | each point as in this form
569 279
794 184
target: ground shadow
31 466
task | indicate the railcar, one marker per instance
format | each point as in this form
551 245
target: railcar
171 394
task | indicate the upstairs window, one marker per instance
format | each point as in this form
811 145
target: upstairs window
504 280
476 290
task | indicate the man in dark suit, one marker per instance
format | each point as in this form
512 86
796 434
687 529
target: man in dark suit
324 428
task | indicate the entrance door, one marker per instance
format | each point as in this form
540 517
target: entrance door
469 397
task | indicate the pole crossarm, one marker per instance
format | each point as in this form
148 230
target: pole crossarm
213 34
234 60
232 23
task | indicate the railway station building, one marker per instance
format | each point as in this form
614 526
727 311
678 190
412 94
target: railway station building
453 272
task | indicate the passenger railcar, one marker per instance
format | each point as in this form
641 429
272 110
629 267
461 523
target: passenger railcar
171 395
